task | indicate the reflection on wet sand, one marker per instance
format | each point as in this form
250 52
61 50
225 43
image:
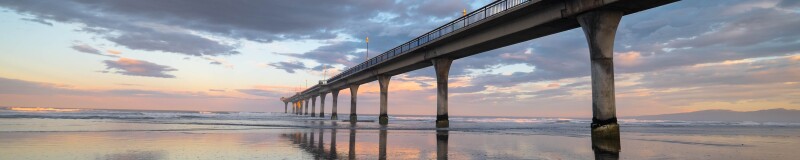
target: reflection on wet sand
604 148
305 142
442 138
352 150
607 148
382 144
377 143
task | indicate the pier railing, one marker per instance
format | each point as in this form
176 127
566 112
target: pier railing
473 17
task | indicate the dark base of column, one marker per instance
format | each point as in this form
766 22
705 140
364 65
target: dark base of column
442 121
383 119
605 129
353 118
334 117
606 148
313 115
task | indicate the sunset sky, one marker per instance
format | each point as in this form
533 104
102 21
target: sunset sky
240 55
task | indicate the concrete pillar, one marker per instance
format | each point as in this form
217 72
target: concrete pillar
335 94
442 67
313 106
352 146
294 105
600 28
382 144
353 97
322 105
383 81
285 107
442 138
306 108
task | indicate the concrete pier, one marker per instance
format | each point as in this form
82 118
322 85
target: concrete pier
383 81
600 27
285 107
353 97
313 106
306 107
442 67
335 100
294 106
322 105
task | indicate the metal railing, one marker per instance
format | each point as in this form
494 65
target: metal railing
478 15
471 18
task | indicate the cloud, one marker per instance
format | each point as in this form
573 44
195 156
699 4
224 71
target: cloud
22 87
260 92
38 20
86 49
126 29
134 67
219 61
114 52
289 67
173 42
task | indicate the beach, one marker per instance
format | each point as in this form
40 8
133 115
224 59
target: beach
101 134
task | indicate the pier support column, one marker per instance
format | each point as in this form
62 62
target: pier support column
442 67
335 100
322 105
306 107
285 107
313 106
353 97
294 105
383 119
600 28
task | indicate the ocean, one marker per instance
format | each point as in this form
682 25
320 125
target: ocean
48 133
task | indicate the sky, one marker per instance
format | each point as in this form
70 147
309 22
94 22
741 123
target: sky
241 55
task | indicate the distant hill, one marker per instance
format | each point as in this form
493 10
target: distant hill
770 115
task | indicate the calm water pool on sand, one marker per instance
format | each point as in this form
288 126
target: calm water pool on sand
101 134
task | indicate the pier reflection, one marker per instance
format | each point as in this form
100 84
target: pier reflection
313 143
606 148
321 143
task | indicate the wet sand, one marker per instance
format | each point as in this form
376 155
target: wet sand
101 139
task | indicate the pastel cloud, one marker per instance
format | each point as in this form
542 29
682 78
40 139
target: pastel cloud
289 67
133 67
